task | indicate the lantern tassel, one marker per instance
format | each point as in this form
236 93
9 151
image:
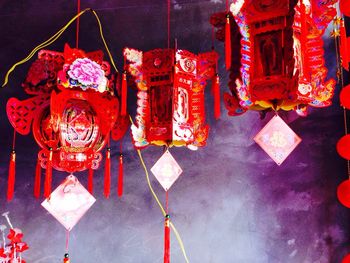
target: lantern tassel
167 239
91 181
12 176
48 176
120 176
228 42
124 93
107 182
344 52
216 94
37 180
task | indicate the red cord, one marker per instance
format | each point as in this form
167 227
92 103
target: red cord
78 25
167 202
14 139
67 241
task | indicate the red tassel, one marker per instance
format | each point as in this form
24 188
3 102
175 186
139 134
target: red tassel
48 177
216 94
228 43
120 177
107 183
37 180
91 181
167 239
124 92
12 175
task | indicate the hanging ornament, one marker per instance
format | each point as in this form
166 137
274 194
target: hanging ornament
343 193
68 203
343 147
170 98
72 114
345 97
11 250
166 170
344 6
278 48
277 139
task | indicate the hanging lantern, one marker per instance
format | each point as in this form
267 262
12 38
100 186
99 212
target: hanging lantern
345 97
343 193
343 147
344 6
73 112
170 105
346 259
278 48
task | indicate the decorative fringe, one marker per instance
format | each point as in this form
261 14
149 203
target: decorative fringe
91 181
216 94
12 176
48 177
344 48
37 180
107 182
120 176
124 93
228 43
167 239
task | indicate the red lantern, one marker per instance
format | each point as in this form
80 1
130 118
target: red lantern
170 95
344 6
345 97
343 193
343 147
278 48
346 259
73 113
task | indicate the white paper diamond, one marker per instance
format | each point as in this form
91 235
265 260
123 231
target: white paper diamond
69 202
166 170
277 139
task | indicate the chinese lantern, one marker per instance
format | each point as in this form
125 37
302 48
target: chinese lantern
170 105
72 114
277 48
343 147
345 97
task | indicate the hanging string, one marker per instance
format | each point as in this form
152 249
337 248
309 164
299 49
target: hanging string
67 241
340 75
168 20
177 235
78 25
55 37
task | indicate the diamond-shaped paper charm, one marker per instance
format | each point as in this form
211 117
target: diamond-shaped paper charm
69 202
277 139
166 170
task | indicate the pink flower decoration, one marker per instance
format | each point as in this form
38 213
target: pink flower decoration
86 72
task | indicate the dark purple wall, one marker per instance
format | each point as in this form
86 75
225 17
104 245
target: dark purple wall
232 203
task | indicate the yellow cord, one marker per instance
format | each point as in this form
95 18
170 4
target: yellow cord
55 37
177 235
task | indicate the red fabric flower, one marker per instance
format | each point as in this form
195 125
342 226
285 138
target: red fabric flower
15 235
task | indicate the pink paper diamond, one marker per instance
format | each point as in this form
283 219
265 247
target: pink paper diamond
277 139
69 202
166 170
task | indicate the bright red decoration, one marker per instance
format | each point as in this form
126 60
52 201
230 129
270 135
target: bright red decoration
344 6
346 259
11 251
343 193
345 97
170 105
343 147
277 55
73 112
